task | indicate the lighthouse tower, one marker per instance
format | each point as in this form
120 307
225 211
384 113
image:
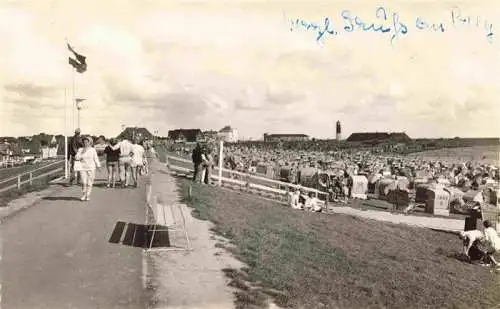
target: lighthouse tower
339 131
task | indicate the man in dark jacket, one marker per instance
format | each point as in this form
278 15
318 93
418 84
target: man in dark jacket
197 160
74 144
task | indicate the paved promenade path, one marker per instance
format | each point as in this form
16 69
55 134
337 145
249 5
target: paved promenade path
56 254
444 224
188 280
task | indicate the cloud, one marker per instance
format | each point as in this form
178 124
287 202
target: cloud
284 98
31 90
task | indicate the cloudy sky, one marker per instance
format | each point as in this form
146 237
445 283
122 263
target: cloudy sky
207 64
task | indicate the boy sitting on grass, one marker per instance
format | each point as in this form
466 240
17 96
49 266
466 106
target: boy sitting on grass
312 203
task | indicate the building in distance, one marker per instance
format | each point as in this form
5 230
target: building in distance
228 134
185 135
398 137
210 135
135 132
285 137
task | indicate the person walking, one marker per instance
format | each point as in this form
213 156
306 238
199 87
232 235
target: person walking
89 161
197 161
100 145
137 161
74 144
147 145
112 163
125 147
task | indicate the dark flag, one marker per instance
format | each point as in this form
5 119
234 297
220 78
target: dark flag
79 63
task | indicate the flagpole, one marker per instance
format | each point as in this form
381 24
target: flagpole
80 66
65 134
74 98
73 106
66 174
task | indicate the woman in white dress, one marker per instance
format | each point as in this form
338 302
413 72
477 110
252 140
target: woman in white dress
86 162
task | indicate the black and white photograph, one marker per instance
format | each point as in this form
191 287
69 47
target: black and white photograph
249 154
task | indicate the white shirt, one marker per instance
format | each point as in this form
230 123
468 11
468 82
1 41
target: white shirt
478 198
151 153
125 148
290 197
308 202
138 157
88 159
314 204
294 201
491 236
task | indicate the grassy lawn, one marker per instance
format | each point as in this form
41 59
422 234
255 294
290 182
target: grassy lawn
8 172
306 260
162 152
38 185
37 169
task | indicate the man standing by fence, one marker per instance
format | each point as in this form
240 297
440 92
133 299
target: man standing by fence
197 161
75 143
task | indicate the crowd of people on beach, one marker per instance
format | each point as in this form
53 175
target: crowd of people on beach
125 160
353 161
286 164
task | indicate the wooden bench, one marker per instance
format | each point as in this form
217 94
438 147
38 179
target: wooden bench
161 219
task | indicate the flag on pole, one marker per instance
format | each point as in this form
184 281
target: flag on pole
79 63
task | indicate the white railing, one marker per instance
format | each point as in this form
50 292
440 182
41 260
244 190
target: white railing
30 172
246 176
30 180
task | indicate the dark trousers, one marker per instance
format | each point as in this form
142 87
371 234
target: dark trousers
72 176
208 174
197 172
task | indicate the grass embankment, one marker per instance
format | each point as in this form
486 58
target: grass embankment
8 172
162 152
307 260
37 185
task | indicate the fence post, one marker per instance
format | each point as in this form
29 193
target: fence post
18 182
221 159
31 178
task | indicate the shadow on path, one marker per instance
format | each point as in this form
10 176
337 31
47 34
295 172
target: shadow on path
100 185
61 198
139 235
